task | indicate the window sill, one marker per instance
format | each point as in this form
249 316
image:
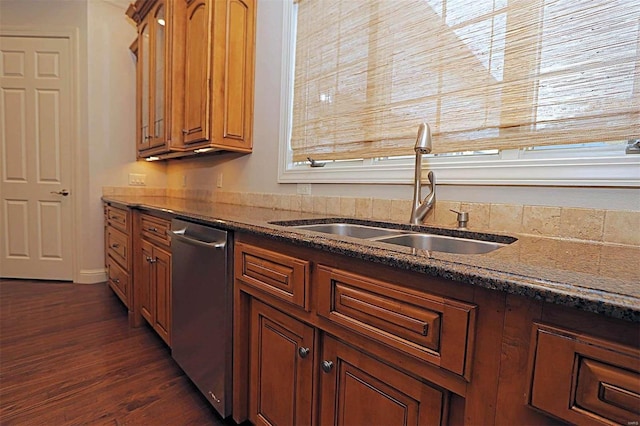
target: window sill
616 171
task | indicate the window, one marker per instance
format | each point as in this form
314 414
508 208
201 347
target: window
350 100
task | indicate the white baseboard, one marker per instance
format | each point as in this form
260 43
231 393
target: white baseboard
91 276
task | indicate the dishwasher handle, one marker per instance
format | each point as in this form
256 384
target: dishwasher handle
179 235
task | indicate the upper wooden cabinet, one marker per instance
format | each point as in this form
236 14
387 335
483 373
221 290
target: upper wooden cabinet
160 54
195 75
219 74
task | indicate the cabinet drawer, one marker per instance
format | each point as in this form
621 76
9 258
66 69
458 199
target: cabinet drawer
118 281
155 229
584 380
282 276
118 246
433 328
118 218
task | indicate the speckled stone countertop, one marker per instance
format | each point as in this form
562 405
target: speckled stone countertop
594 277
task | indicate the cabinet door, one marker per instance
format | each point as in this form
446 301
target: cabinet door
359 390
162 284
159 69
153 55
234 73
196 72
144 84
281 368
145 281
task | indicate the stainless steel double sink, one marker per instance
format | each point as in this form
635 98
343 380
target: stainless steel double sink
407 238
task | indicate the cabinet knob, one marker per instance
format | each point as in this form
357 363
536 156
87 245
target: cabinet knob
327 366
151 259
303 352
185 131
116 280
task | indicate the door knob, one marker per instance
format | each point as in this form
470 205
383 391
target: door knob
63 192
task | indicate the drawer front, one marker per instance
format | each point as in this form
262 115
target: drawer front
584 380
119 281
433 328
155 229
118 218
118 247
282 276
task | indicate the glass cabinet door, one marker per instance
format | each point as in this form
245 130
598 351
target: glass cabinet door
159 67
144 56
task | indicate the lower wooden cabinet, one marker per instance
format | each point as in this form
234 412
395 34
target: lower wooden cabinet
292 371
374 345
357 389
153 282
583 379
282 359
117 238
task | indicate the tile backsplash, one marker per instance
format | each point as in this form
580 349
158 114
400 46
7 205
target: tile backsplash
611 226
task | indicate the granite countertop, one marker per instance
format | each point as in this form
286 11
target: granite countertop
594 277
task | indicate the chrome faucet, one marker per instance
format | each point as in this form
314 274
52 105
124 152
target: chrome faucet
421 207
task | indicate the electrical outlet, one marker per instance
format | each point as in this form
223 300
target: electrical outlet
184 181
136 179
219 181
304 188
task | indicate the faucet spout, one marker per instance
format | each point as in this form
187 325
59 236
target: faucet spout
421 207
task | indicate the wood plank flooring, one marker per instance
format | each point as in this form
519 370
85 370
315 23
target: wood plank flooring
68 357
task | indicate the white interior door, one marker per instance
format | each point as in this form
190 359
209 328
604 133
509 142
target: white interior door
36 164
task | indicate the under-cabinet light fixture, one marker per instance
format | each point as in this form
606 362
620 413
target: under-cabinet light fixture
202 150
161 21
152 158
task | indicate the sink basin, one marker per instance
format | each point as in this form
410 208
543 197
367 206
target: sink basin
350 230
414 238
442 243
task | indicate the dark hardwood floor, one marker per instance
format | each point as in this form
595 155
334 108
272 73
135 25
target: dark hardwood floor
68 357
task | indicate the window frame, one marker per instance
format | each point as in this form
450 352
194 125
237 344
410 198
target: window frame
580 167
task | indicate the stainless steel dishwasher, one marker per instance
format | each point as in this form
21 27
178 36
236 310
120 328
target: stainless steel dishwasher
201 280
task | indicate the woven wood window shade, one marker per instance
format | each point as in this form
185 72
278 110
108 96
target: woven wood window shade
484 74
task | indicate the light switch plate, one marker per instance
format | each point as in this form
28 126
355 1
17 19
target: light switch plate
136 179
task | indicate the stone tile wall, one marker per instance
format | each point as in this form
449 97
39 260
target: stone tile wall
611 226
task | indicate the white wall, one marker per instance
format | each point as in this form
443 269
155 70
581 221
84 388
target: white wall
105 150
111 103
258 171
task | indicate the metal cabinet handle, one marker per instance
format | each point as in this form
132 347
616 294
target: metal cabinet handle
185 131
62 192
152 229
215 398
303 352
151 259
115 245
327 366
117 280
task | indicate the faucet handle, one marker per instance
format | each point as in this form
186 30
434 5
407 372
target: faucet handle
463 218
